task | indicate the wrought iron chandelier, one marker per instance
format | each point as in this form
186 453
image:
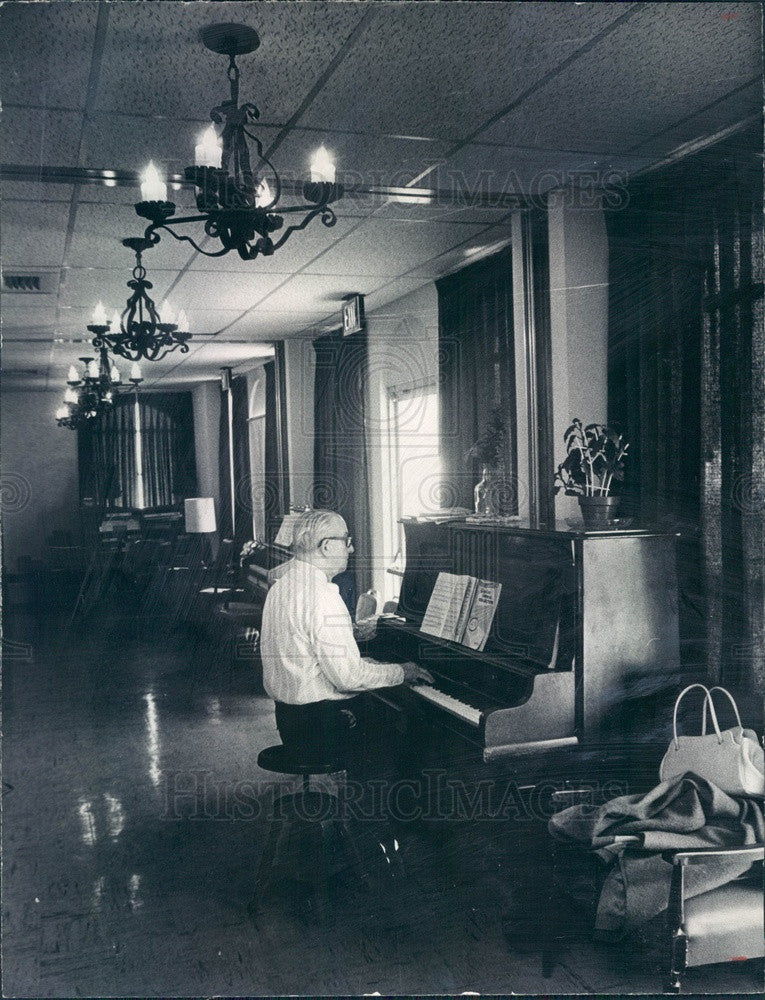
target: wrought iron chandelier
139 334
238 199
90 394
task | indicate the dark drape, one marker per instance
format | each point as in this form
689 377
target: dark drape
687 385
225 516
271 501
476 368
341 479
107 452
106 458
241 447
167 448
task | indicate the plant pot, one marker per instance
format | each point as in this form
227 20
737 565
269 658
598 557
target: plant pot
598 512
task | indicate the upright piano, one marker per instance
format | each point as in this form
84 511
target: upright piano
585 632
265 557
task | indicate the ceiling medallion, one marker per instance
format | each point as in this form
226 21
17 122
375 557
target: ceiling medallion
238 199
140 334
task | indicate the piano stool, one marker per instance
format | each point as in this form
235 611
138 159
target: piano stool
312 818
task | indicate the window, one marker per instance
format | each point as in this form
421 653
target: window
413 465
140 454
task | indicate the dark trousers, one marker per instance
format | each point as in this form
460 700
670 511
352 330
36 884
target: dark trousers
321 730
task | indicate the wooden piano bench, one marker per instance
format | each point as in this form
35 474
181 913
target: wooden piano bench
303 827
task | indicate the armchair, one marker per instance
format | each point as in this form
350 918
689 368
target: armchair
723 925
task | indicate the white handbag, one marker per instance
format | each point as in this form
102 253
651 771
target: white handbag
733 759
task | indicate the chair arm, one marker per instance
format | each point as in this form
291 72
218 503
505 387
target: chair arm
697 856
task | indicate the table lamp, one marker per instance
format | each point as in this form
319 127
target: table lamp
200 518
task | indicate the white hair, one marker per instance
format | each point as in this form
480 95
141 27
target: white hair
312 527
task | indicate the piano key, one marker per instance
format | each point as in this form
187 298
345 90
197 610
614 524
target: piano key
459 708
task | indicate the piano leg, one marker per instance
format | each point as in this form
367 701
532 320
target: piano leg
545 721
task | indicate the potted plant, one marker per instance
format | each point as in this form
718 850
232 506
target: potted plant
488 451
594 459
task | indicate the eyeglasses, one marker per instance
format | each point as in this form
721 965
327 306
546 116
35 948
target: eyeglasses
348 539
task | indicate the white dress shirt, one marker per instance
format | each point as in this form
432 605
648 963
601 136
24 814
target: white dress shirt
307 645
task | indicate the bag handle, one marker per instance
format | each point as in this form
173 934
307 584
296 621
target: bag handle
732 700
707 698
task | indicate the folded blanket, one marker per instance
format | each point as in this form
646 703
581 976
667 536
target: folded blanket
683 813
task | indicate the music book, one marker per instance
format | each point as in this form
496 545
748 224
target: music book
461 609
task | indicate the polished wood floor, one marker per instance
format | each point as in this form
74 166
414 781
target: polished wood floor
112 887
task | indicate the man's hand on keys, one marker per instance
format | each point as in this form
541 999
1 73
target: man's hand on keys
415 674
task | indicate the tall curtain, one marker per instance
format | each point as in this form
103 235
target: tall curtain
107 453
687 385
477 368
167 448
341 479
106 458
241 447
272 501
225 515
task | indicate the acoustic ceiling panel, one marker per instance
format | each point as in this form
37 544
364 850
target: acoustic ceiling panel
391 248
180 78
439 70
33 191
33 234
45 53
267 324
240 290
39 138
653 71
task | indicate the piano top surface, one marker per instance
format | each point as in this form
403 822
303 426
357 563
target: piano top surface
561 529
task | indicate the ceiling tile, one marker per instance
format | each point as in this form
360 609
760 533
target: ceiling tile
662 65
319 291
179 77
394 290
238 291
45 53
261 324
384 247
31 191
39 138
33 234
421 69
736 107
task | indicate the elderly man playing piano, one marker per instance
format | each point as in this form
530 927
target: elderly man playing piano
312 667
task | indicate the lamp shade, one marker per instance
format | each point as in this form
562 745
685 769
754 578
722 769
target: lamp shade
200 515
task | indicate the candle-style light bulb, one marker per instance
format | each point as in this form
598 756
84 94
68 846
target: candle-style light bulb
322 166
114 374
135 372
263 194
62 413
166 314
73 375
93 371
207 152
153 188
116 321
182 322
70 396
99 315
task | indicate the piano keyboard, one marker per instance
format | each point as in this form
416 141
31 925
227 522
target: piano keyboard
465 712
